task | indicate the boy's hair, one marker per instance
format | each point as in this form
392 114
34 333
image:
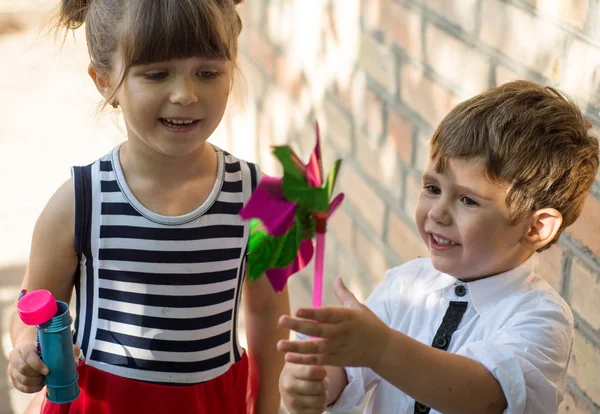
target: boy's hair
528 137
149 31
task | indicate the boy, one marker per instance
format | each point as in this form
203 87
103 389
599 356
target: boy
472 329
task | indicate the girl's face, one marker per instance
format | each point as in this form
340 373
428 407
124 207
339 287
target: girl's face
173 107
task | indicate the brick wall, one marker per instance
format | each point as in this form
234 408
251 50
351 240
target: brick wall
379 75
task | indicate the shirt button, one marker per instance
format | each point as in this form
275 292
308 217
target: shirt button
460 291
421 408
441 342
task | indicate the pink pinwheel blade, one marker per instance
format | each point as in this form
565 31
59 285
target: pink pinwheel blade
314 168
279 276
268 205
335 203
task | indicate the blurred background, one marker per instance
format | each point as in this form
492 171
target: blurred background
378 75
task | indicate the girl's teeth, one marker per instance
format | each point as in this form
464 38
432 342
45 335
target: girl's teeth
441 240
178 122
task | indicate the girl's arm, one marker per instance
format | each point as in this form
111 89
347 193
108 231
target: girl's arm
338 380
52 258
52 264
262 308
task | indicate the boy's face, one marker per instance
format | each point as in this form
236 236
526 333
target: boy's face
464 220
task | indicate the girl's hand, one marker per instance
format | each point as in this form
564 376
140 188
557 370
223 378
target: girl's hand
343 336
26 369
303 388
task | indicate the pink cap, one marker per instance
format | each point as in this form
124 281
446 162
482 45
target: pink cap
37 307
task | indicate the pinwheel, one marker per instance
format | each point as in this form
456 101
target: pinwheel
286 214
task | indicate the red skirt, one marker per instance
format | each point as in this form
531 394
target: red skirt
104 393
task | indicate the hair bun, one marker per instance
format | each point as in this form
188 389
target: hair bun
73 12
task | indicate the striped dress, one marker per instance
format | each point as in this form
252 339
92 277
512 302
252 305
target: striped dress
158 296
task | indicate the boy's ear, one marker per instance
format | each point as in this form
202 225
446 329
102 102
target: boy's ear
101 80
543 227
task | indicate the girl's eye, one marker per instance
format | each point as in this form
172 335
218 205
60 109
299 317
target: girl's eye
156 75
469 202
432 189
205 74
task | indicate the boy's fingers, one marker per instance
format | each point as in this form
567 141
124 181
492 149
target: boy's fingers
304 372
306 327
315 346
344 295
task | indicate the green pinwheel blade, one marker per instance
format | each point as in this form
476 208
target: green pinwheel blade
332 177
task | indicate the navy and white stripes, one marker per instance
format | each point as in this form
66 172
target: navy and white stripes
158 296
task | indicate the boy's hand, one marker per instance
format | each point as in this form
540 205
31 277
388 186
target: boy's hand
344 336
303 388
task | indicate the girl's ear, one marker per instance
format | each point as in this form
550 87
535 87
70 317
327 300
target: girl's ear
543 227
101 80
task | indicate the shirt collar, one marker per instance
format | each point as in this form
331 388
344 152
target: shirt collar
485 293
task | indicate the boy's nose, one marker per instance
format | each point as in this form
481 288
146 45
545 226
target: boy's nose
440 214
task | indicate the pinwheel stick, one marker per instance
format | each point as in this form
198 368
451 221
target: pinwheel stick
317 299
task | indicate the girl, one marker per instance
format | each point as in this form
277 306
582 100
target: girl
149 235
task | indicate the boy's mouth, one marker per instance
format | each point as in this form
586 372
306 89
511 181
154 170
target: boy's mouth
441 243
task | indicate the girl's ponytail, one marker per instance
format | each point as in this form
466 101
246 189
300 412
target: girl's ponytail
72 13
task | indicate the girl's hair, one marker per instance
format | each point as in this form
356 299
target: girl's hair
148 31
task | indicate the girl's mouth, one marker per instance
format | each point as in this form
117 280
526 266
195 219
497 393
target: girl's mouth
179 124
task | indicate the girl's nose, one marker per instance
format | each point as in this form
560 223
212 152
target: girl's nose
184 93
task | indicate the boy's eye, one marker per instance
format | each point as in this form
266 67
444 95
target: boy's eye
432 189
468 201
156 75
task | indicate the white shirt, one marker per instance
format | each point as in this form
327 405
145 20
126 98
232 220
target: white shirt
515 325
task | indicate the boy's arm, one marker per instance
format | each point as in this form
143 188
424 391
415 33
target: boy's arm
448 382
262 309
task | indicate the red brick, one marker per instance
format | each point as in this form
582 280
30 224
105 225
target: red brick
572 405
585 366
380 163
504 74
521 36
413 189
370 256
404 241
342 226
587 227
585 291
262 51
424 95
291 80
582 72
336 125
349 271
550 266
573 12
362 196
400 132
374 113
463 65
422 150
377 61
372 12
460 12
402 26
